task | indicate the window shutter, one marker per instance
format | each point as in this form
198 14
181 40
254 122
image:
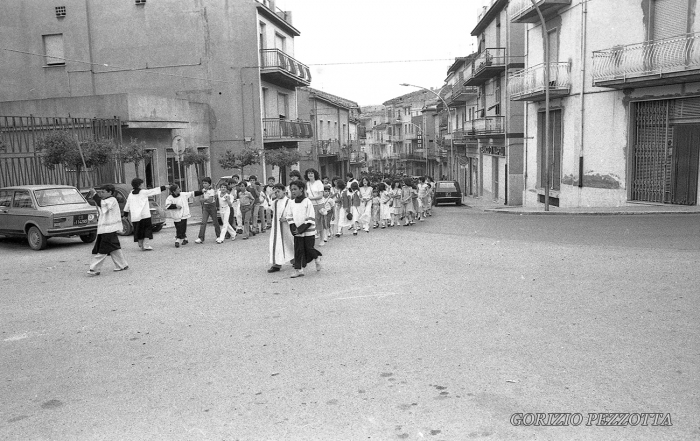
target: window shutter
53 47
670 18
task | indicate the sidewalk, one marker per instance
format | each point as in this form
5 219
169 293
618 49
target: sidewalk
628 208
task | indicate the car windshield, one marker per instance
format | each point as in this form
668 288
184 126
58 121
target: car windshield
447 186
58 196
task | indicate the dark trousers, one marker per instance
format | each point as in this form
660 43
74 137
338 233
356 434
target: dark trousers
181 229
209 210
304 251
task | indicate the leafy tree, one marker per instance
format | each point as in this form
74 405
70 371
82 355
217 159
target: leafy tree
194 157
282 158
62 148
229 160
134 152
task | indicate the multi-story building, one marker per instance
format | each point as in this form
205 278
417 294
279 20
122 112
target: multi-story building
625 106
498 122
407 133
214 75
335 142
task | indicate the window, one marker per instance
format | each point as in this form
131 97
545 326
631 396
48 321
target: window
555 147
280 42
140 2
60 11
282 105
5 198
53 48
22 200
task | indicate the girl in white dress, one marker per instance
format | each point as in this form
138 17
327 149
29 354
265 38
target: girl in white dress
365 209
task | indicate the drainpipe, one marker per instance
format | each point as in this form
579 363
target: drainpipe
89 38
584 5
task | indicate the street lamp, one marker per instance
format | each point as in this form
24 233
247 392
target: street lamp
449 116
545 42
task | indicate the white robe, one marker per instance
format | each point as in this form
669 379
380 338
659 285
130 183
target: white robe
281 239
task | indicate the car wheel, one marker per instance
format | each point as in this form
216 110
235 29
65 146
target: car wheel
127 227
156 228
88 238
37 241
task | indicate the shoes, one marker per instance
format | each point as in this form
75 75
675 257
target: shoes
177 244
354 233
185 241
421 219
148 248
383 226
233 237
273 269
93 273
198 240
318 263
367 230
120 269
298 273
321 244
325 240
219 241
337 234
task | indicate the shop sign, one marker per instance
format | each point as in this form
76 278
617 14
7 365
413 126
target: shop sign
494 150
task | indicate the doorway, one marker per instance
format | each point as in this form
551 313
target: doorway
686 158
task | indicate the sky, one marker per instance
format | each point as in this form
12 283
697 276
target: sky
352 46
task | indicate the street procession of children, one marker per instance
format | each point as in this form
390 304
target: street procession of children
307 213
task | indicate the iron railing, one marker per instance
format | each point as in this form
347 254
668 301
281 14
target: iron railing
675 54
488 58
490 125
531 80
518 8
22 163
275 128
276 59
459 89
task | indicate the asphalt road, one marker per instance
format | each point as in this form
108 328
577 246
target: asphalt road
439 331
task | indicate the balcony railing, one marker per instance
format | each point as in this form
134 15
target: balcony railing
487 126
667 61
357 157
461 93
279 66
275 128
328 149
528 84
486 65
522 11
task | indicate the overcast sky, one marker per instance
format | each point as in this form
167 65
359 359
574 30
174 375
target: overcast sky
366 35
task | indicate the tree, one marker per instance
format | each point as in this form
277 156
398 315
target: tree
282 158
229 160
134 152
62 148
194 157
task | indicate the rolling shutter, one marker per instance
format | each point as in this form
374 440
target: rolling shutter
670 18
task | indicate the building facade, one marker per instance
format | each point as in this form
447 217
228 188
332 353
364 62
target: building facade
212 76
624 118
497 124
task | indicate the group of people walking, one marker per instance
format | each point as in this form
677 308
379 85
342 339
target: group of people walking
307 210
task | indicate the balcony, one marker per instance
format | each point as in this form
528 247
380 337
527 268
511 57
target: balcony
357 157
279 68
488 64
529 85
653 63
411 157
522 11
461 136
486 127
328 149
462 93
284 130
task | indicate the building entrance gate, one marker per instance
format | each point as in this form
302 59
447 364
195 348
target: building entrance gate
666 154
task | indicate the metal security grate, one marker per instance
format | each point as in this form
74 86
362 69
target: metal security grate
60 11
651 162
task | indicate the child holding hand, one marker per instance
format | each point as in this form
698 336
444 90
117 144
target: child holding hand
226 208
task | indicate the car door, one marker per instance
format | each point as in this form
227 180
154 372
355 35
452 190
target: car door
22 210
5 205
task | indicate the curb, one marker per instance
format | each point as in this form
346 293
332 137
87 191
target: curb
585 213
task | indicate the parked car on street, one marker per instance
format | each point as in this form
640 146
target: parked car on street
40 212
122 192
447 191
